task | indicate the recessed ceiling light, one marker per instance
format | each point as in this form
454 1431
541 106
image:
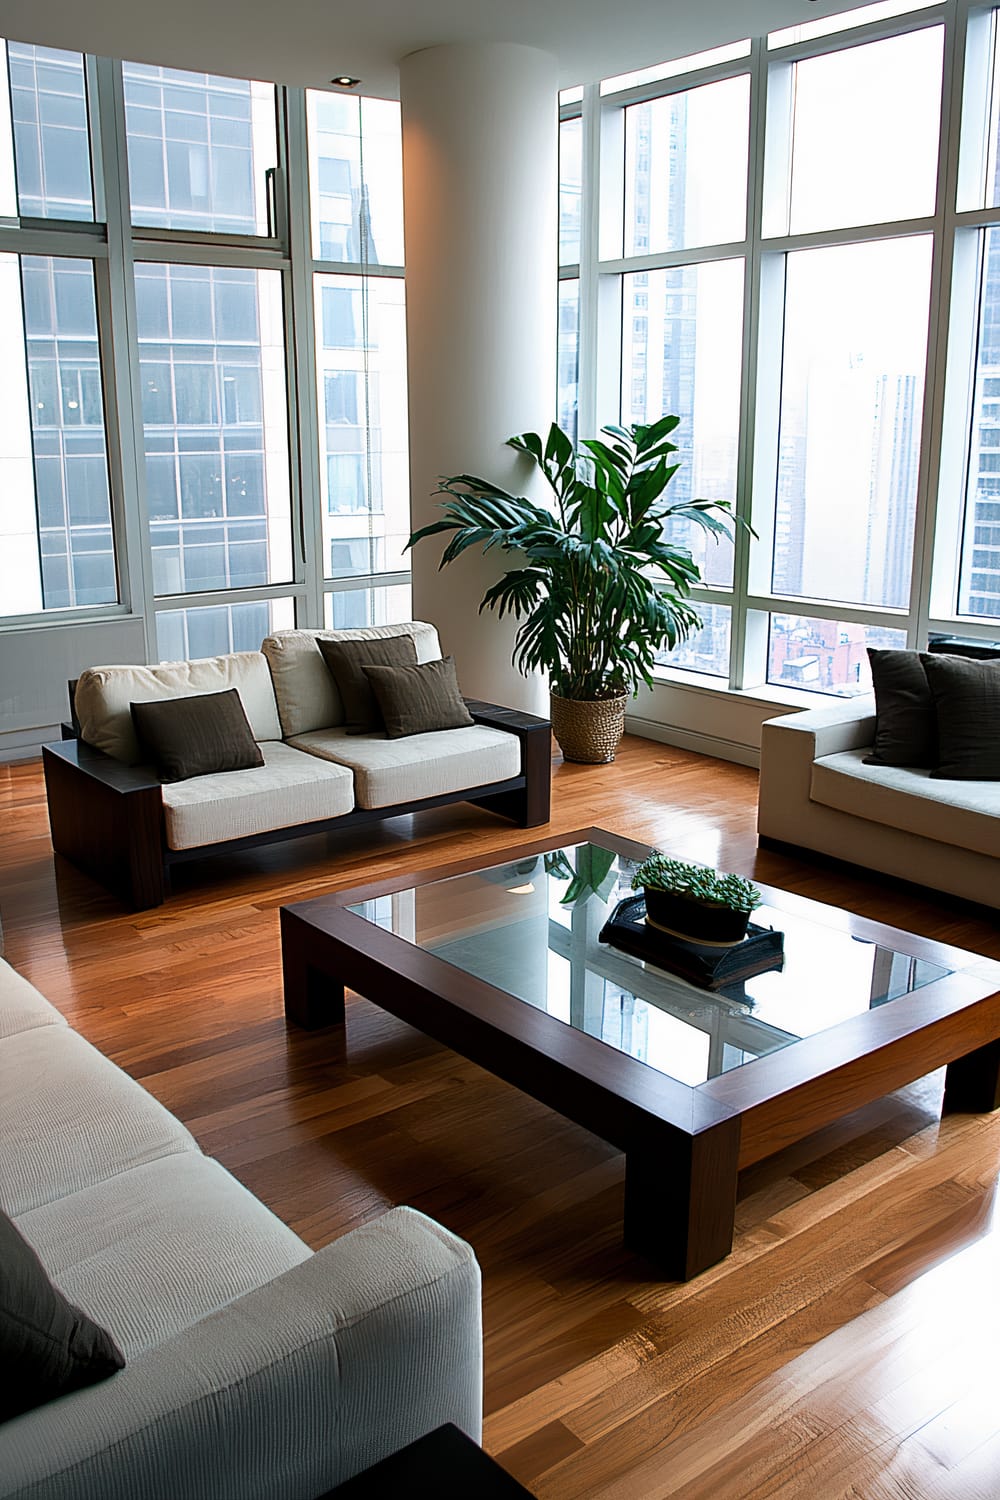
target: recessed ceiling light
343 82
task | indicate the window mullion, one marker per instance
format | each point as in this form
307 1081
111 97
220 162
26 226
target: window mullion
128 464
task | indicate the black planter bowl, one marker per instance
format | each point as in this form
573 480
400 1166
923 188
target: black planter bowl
695 921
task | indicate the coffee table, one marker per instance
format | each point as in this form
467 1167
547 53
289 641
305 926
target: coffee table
499 959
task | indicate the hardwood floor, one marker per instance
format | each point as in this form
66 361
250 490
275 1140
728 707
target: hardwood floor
845 1349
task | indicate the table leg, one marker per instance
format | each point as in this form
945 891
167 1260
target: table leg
972 1083
680 1197
313 997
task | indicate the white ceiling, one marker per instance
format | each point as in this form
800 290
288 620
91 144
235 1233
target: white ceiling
308 41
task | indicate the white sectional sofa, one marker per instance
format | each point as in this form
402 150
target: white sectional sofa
817 793
111 815
254 1368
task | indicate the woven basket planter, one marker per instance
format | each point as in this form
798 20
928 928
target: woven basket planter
588 730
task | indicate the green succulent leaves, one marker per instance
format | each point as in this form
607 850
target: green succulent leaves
600 590
699 882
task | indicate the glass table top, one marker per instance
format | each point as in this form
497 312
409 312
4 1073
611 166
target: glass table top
531 927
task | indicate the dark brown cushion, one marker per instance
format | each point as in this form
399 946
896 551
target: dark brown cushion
346 661
48 1347
967 699
905 720
417 699
196 736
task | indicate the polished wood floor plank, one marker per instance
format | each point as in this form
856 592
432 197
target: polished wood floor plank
844 1349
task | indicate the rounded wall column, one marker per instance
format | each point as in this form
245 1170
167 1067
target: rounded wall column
480 205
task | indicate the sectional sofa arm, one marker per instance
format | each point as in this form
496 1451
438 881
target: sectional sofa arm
350 1355
788 748
532 806
107 818
827 731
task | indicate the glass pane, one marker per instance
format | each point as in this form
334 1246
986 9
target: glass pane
361 380
686 168
707 649
530 928
979 577
56 540
879 11
212 371
198 149
186 634
355 179
355 609
682 343
851 403
677 65
853 135
826 656
570 190
569 357
48 105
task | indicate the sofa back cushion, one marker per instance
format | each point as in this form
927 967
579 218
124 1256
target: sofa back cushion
103 696
305 691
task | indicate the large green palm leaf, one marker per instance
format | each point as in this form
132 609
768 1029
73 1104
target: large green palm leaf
600 588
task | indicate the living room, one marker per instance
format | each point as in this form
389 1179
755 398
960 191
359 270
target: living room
225 421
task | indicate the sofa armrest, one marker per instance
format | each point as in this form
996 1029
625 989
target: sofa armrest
788 748
532 806
107 818
350 1355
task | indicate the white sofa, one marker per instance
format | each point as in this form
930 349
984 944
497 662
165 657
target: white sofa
254 1368
110 815
817 793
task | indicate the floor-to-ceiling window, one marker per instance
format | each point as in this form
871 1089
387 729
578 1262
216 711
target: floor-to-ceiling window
181 256
793 243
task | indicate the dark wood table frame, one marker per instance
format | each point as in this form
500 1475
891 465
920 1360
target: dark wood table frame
684 1146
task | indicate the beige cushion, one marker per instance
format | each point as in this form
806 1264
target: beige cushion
423 765
963 813
103 695
155 1249
288 789
69 1119
22 1008
306 693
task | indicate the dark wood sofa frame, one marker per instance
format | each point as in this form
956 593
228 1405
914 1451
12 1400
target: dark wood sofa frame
107 818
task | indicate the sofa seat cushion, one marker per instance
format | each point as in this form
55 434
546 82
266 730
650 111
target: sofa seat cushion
288 789
387 772
22 1008
104 695
158 1248
306 693
963 813
69 1119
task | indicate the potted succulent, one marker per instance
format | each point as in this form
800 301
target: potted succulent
599 588
694 902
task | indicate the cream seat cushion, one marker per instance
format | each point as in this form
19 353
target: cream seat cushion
69 1120
159 1247
387 772
288 789
103 695
303 685
22 1008
963 813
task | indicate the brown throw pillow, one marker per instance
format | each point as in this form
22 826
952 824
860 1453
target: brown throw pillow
347 660
196 736
905 719
967 699
48 1347
417 699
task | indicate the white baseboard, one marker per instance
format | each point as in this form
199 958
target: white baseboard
26 744
687 739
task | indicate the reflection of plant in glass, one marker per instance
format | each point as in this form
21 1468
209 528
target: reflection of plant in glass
594 874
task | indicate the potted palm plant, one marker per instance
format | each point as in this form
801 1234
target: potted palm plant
599 588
